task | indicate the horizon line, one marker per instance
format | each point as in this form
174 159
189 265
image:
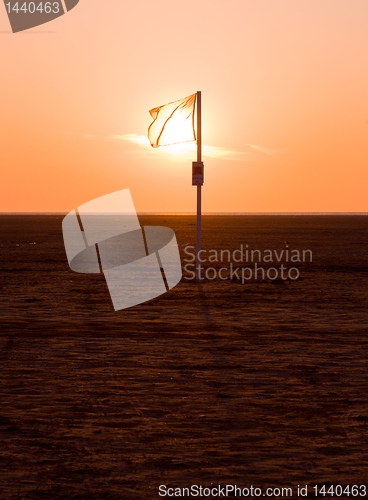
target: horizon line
203 213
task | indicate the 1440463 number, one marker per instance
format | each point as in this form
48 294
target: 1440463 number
31 8
338 491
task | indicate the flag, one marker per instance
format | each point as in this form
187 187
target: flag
173 123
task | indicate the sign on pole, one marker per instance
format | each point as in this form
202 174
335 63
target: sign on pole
197 173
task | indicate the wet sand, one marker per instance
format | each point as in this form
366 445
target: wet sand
262 383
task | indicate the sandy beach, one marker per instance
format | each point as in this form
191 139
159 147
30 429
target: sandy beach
259 383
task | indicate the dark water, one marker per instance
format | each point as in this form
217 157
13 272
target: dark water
258 383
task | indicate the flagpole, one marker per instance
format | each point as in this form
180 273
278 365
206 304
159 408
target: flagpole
199 187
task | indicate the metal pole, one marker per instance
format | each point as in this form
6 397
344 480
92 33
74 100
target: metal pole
199 188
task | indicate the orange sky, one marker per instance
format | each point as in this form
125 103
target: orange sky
284 93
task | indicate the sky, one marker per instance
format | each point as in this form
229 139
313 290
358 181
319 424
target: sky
284 102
